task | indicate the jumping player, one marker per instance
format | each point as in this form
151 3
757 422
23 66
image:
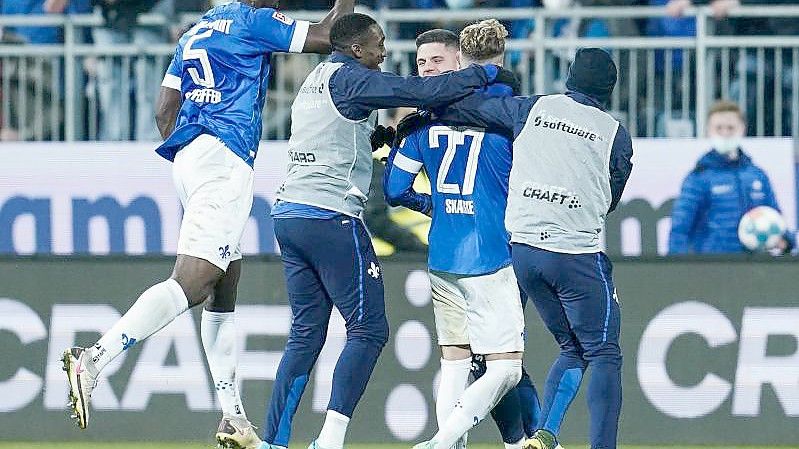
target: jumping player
325 247
209 112
571 161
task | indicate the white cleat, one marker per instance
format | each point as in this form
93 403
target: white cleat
81 384
237 433
426 445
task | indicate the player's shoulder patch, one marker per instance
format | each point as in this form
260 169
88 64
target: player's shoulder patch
280 17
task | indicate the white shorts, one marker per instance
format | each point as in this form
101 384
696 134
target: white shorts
484 311
216 189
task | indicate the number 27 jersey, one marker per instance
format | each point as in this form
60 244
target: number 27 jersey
468 171
221 67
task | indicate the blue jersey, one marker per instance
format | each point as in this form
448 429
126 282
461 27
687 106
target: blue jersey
221 67
468 170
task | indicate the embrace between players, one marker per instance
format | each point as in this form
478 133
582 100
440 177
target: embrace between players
521 187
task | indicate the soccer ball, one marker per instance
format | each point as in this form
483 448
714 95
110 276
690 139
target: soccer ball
761 229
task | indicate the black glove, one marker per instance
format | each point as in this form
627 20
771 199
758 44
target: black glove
509 78
409 124
382 136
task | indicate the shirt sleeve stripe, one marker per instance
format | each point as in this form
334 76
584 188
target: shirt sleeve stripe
171 81
299 36
407 164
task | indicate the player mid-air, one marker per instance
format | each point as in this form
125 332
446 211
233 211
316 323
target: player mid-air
326 250
476 299
571 161
209 112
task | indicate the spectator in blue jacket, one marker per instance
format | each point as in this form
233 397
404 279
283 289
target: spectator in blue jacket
724 185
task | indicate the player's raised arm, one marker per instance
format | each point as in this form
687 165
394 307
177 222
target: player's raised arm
318 40
505 115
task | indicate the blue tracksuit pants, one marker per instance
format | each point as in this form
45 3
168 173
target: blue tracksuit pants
575 296
328 263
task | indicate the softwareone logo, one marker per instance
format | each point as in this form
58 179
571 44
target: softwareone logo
558 124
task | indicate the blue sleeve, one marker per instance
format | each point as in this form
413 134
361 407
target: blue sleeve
272 31
771 201
357 91
402 166
621 165
174 73
685 214
502 115
176 65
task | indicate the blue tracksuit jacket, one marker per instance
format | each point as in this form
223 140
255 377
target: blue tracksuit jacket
714 197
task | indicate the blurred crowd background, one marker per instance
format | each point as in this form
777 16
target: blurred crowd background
90 70
658 95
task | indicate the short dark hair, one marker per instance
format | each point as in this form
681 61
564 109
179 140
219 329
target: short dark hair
438 36
348 30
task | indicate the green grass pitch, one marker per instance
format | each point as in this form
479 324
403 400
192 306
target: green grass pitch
96 445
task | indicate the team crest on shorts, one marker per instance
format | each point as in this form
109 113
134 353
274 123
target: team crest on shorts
224 251
374 270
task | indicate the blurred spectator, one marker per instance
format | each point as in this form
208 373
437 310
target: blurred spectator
724 185
34 79
122 28
38 34
744 67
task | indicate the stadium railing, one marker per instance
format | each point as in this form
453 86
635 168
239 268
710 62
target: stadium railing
50 92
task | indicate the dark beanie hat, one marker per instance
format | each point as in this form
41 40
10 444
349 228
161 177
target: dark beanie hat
593 73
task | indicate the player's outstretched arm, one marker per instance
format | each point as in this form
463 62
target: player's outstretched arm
318 40
503 115
357 91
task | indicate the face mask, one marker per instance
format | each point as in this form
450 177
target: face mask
557 4
460 4
726 146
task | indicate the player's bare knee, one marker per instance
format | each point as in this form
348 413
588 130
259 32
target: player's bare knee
197 278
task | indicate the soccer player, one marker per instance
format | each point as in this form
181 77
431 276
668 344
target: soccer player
325 247
571 161
209 112
476 299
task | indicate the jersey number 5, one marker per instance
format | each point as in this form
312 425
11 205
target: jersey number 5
455 139
206 79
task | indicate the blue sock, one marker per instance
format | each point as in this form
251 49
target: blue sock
604 401
353 369
563 382
530 405
290 381
508 416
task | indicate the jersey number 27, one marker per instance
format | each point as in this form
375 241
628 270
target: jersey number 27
455 139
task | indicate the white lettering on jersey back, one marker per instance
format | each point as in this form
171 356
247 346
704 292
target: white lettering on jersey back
721 189
222 25
465 207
